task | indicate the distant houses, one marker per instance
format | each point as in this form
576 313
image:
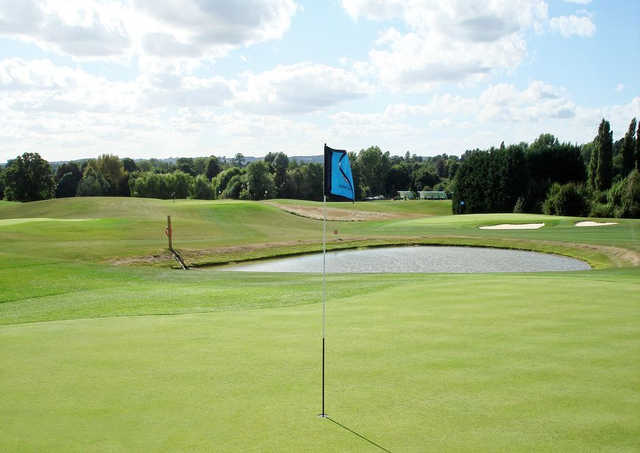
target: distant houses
406 195
432 195
422 194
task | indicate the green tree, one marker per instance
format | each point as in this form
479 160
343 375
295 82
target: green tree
1 183
68 176
223 178
112 169
200 165
28 178
129 165
624 196
186 165
93 184
213 167
399 178
374 166
236 186
278 164
638 147
604 145
593 167
260 183
566 200
201 188
424 177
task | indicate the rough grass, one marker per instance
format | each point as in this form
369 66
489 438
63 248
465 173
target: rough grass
101 358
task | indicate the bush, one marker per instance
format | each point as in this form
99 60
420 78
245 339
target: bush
566 199
624 196
601 210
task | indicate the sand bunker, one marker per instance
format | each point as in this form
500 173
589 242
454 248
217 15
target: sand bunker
513 226
350 215
589 223
5 222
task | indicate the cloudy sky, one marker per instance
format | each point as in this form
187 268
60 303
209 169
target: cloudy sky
161 78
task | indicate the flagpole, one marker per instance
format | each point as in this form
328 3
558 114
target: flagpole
324 279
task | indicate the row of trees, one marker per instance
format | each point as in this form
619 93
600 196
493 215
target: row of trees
276 176
599 178
544 176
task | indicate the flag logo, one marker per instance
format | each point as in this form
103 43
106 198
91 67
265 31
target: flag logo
338 179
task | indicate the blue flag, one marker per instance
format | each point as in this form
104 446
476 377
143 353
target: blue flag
338 181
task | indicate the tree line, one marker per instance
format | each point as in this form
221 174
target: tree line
599 178
376 173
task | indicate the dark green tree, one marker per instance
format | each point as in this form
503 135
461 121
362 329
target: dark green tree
628 149
28 178
604 145
68 176
67 186
1 183
129 165
186 165
200 165
213 167
399 178
593 167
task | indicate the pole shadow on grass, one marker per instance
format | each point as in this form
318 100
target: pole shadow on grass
358 434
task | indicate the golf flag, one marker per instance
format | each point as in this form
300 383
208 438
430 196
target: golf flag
338 181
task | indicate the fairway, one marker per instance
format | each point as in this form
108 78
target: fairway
104 351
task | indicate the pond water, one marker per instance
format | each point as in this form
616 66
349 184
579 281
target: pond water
418 259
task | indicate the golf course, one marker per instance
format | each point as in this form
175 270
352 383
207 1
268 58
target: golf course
106 345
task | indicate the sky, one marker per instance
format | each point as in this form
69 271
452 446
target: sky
174 78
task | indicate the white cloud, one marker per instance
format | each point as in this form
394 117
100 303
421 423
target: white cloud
79 28
580 2
452 124
159 28
572 25
457 41
299 88
620 87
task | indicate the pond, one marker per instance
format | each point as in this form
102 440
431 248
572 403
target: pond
418 259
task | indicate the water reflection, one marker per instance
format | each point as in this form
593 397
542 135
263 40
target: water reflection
418 259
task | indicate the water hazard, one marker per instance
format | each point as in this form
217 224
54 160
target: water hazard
418 259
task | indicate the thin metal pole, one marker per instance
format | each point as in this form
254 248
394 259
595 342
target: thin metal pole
324 291
169 232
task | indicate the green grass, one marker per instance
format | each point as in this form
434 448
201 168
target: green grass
99 357
398 207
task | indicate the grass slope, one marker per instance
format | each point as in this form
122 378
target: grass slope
103 358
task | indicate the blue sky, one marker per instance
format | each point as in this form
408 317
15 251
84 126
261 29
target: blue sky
159 78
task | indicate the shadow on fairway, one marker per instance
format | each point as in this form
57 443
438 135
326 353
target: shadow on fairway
358 434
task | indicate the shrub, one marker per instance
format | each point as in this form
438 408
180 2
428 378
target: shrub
624 196
601 210
566 199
